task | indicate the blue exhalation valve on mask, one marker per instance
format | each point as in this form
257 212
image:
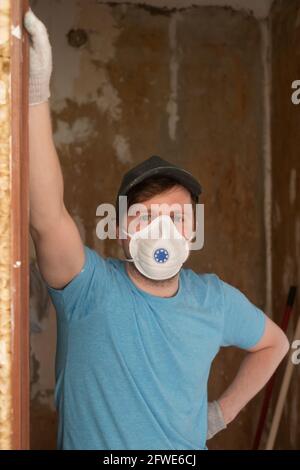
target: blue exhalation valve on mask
161 255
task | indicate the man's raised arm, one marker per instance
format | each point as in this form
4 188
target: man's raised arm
59 248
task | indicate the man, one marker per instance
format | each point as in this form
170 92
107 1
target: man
136 337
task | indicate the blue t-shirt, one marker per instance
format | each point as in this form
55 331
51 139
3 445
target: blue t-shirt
131 367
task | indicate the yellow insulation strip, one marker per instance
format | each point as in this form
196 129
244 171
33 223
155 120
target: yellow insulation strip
5 231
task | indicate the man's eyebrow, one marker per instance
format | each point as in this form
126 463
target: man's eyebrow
145 210
155 209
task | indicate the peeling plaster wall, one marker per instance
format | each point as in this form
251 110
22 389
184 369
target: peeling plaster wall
42 357
285 18
259 8
188 85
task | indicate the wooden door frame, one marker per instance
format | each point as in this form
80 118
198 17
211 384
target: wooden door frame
20 228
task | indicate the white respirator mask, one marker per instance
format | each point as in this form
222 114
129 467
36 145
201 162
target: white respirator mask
159 250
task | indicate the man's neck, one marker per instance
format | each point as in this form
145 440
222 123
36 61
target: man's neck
166 288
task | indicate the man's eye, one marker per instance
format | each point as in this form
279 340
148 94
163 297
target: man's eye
177 218
145 217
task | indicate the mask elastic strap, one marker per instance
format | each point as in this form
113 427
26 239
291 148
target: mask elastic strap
192 236
128 234
188 239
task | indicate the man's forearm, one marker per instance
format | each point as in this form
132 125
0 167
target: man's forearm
254 372
46 182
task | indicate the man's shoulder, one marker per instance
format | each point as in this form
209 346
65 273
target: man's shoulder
208 282
201 277
96 257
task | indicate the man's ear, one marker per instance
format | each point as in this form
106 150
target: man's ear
118 235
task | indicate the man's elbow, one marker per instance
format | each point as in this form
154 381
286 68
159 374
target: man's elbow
282 345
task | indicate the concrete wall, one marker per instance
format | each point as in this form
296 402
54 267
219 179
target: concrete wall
285 17
188 84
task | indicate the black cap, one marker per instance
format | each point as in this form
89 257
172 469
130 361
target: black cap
157 166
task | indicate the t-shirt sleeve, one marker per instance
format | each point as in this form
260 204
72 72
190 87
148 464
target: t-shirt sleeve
243 322
72 301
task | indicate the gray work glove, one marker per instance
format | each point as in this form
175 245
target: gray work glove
40 59
215 419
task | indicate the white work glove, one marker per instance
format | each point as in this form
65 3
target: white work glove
40 59
215 419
